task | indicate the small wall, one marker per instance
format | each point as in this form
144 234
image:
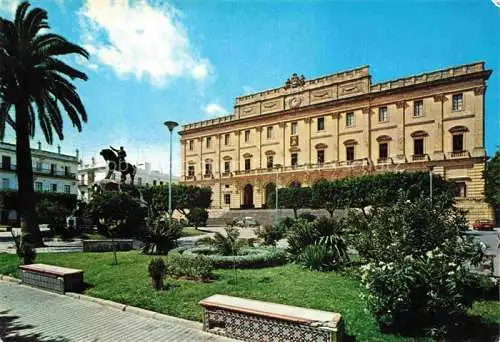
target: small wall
107 245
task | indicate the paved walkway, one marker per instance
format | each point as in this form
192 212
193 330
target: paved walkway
28 314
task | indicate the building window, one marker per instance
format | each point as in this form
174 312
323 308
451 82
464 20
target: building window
383 151
418 147
53 187
53 169
294 128
227 199
66 170
5 183
349 119
139 181
226 139
349 152
247 136
383 116
321 124
191 170
38 166
418 108
247 164
227 167
269 162
321 157
113 176
460 189
39 186
191 144
6 162
294 159
67 189
269 134
208 142
208 169
226 186
458 101
458 142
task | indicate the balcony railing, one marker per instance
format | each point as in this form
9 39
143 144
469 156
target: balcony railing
387 160
420 157
43 171
459 154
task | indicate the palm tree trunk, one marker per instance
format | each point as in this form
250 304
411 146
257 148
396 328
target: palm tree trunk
26 209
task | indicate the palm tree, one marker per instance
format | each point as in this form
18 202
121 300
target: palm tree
34 84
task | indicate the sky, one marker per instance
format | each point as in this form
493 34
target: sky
154 60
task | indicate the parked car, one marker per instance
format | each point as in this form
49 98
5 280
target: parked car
483 225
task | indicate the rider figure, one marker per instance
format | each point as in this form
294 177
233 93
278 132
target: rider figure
121 157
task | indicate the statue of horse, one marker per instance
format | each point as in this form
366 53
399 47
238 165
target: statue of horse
114 165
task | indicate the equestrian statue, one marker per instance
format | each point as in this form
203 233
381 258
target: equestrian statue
116 162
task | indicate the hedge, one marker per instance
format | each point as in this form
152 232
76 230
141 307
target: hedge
249 257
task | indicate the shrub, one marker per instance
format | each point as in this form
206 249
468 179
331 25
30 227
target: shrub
418 293
303 233
197 217
247 257
156 269
270 234
418 276
198 267
307 216
406 228
228 244
324 231
317 257
161 235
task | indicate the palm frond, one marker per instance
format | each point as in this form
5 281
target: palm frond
34 22
31 121
54 115
22 8
72 113
53 64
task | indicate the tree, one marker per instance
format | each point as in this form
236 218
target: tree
294 198
34 83
492 180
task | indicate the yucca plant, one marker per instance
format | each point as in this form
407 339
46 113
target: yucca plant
35 86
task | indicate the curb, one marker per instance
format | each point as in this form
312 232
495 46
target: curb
138 311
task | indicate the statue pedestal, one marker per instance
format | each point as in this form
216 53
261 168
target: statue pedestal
109 184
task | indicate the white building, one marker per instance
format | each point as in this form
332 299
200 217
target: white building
90 173
52 171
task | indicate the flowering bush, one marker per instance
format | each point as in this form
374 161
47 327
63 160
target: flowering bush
418 273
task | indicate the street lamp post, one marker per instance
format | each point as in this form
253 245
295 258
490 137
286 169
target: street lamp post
170 125
430 182
276 193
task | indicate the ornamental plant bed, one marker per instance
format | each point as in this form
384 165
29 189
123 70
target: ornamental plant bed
248 257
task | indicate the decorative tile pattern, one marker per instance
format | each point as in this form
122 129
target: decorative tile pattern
254 328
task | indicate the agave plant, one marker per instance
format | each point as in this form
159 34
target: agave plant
228 244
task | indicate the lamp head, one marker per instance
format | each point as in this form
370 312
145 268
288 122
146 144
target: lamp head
171 125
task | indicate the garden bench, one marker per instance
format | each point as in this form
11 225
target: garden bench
254 320
52 278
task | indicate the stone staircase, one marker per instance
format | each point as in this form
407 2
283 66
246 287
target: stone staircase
220 217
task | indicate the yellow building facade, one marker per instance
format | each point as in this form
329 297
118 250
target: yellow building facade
342 125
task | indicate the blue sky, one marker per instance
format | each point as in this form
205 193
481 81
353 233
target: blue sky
155 60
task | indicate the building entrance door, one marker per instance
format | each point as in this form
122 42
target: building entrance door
248 196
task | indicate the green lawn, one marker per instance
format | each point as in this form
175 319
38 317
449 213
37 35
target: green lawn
190 231
128 283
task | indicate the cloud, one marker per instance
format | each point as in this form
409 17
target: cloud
214 109
8 8
248 90
141 39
